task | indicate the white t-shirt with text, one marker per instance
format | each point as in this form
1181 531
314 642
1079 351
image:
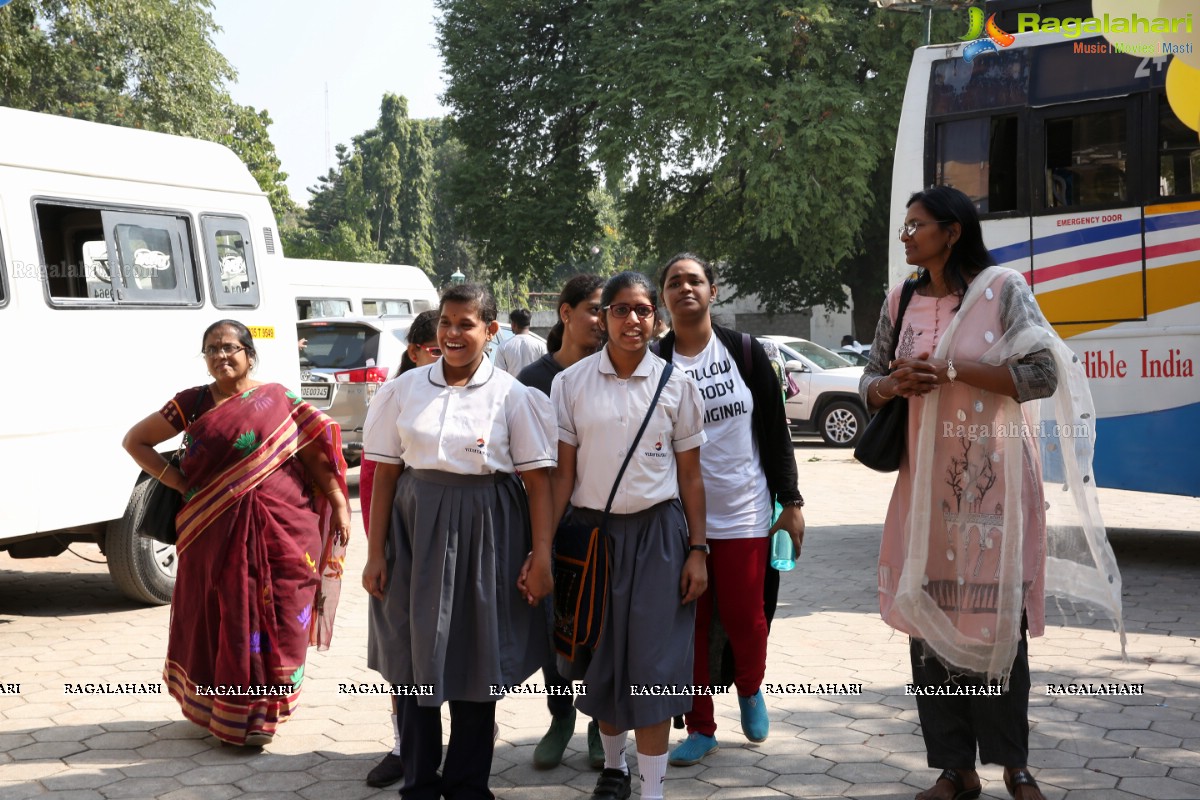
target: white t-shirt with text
735 487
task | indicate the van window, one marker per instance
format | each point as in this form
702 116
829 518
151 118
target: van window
309 307
108 256
230 259
377 308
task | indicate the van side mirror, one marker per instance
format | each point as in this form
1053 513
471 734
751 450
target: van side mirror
796 366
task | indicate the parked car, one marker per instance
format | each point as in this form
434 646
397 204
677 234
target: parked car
827 402
855 358
343 362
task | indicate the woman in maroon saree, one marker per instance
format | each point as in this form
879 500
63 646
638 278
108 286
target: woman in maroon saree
262 536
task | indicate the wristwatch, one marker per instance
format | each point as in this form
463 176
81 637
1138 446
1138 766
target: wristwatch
700 548
951 372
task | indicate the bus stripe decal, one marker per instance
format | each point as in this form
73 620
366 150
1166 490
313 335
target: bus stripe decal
1100 233
1169 221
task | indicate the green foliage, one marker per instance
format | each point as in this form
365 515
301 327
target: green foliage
759 134
379 199
138 63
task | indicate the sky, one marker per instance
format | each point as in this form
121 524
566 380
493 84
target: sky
286 53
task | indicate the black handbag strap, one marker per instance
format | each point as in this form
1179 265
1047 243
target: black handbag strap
668 368
910 286
200 395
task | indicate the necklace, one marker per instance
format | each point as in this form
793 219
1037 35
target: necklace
220 393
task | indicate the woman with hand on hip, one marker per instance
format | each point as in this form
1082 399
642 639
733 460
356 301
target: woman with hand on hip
748 465
965 561
261 539
655 531
450 529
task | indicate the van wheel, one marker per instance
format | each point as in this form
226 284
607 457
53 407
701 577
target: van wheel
142 569
841 424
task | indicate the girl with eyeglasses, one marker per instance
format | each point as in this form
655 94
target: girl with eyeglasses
450 528
655 532
748 464
261 539
973 539
422 350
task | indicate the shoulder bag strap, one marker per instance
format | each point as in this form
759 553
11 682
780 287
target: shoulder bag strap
668 368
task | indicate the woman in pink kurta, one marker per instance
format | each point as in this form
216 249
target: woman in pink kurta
963 561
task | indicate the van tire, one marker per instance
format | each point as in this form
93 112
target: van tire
841 423
142 569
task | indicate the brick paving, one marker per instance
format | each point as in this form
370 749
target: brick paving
61 622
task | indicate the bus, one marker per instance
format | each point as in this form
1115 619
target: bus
1089 185
118 248
343 288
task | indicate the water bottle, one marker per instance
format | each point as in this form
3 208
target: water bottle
783 555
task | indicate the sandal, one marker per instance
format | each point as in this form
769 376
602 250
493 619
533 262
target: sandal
1018 777
961 792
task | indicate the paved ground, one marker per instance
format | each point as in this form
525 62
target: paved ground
61 622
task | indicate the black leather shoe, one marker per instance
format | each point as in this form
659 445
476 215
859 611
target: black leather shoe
612 785
386 772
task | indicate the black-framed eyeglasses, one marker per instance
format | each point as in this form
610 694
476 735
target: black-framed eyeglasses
910 228
621 310
225 350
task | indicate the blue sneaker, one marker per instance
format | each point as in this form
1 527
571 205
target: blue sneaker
755 722
695 747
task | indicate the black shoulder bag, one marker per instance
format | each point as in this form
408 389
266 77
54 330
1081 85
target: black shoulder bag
581 565
157 518
882 443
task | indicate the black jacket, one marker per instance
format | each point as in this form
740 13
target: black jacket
769 418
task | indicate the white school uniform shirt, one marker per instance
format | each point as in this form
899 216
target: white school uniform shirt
736 499
519 352
493 424
599 413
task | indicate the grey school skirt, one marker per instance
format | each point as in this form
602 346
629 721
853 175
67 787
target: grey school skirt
648 634
452 617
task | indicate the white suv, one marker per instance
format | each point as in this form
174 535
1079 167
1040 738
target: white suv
828 401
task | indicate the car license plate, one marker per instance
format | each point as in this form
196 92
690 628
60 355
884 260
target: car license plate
315 391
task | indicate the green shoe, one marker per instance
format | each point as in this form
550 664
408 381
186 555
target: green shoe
549 751
595 746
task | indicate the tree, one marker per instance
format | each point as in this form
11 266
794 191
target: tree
381 193
138 63
756 133
523 111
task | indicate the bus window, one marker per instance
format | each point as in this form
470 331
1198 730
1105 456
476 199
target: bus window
979 157
1086 160
378 308
230 258
1178 155
97 255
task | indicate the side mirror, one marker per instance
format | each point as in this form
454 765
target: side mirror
796 366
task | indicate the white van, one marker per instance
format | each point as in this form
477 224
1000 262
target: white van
118 247
344 288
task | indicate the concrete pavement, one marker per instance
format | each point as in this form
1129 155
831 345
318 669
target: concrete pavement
62 624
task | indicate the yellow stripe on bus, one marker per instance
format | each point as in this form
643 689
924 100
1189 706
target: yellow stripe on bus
1167 288
1171 208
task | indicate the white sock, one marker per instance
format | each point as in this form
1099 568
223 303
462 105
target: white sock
653 771
614 751
396 728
